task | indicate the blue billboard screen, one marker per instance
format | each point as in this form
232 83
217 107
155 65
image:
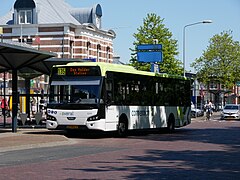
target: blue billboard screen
149 53
151 56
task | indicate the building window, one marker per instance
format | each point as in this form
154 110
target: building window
98 52
88 47
25 17
71 49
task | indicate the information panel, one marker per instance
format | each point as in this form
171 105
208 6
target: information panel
149 53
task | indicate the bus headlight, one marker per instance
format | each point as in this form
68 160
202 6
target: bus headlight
93 118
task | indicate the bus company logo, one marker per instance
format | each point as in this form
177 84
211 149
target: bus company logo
51 112
140 112
67 114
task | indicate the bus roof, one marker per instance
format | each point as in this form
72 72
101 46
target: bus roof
119 68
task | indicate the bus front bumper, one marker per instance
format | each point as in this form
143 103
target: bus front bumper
94 125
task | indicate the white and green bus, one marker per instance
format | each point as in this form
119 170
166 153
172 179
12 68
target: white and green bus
113 97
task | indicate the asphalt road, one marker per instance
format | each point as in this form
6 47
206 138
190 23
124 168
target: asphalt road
202 150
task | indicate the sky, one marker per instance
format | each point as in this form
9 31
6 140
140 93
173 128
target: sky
125 16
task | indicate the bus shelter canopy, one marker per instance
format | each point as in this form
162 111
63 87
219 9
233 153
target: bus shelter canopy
14 57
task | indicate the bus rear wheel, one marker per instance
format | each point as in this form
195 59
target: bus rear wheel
122 128
171 125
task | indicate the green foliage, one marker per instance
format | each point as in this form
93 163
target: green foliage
220 62
153 28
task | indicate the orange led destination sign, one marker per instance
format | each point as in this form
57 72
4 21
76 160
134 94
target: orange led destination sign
78 71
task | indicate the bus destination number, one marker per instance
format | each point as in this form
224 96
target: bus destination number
61 71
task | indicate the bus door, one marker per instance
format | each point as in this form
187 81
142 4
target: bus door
111 109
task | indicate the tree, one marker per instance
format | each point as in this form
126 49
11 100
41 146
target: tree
153 28
220 62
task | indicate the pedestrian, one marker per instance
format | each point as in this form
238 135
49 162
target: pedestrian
4 106
210 105
33 104
209 109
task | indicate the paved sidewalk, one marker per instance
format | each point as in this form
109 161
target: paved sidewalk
31 138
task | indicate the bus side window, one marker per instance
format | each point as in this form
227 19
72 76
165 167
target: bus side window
117 92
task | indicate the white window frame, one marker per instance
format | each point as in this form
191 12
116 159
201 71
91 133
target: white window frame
25 17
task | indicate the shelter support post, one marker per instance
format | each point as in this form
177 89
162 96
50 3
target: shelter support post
14 100
27 86
4 96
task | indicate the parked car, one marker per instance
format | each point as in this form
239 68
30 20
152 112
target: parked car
231 111
196 112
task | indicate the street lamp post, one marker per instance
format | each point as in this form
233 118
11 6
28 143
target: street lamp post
184 38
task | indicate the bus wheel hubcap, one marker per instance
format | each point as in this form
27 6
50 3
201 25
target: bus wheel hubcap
122 127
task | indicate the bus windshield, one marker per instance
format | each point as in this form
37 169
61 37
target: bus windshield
75 90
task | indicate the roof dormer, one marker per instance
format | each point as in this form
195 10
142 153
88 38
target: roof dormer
25 12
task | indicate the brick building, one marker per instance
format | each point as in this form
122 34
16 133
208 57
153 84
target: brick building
57 27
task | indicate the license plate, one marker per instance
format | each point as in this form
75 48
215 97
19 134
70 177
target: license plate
72 127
